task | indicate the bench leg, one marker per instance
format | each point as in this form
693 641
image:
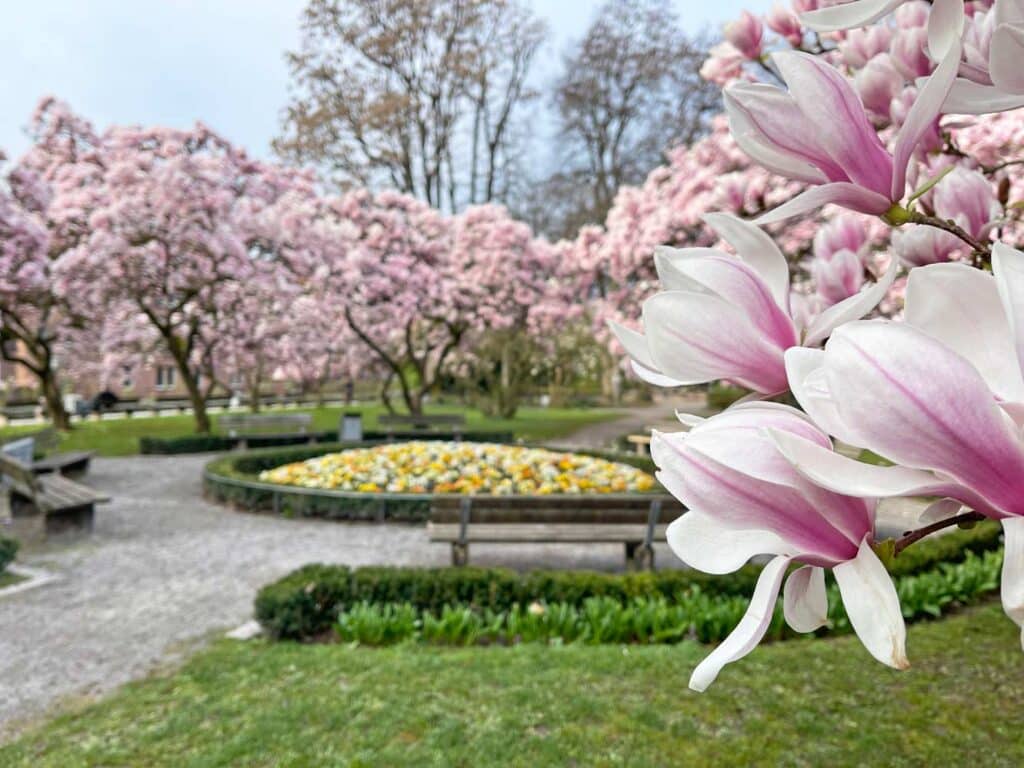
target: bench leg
639 556
460 554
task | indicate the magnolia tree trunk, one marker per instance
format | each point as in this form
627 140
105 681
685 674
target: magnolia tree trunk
54 402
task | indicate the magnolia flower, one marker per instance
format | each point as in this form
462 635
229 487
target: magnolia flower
945 21
746 34
746 500
941 395
991 76
818 133
724 316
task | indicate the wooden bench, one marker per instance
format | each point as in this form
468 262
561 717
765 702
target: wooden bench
637 521
640 443
450 422
269 424
58 503
72 463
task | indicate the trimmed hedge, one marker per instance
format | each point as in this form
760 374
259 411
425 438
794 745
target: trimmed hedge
690 615
8 551
306 603
215 442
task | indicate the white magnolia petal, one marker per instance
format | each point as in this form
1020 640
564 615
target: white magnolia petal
961 307
634 342
670 277
943 509
842 474
748 633
1008 268
1012 579
873 606
653 377
852 308
967 97
1006 57
848 16
804 600
809 385
755 247
840 193
704 542
922 115
690 419
945 26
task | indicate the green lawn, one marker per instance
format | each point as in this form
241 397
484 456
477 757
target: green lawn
801 703
120 437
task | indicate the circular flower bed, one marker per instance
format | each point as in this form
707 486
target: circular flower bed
444 467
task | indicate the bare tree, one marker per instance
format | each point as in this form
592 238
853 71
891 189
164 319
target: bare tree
629 90
418 95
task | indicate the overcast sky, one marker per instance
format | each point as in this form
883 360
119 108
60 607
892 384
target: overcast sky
174 62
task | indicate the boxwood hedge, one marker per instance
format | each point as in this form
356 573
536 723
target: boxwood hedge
8 551
306 603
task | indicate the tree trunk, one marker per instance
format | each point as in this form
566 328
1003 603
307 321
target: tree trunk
54 402
385 396
254 398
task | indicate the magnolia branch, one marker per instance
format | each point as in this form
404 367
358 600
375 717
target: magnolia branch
915 536
982 251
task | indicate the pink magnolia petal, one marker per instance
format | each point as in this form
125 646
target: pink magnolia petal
758 250
852 308
848 476
706 543
736 282
747 499
920 404
1006 59
840 193
849 138
759 134
696 338
749 631
1012 587
856 14
923 115
960 306
804 600
873 607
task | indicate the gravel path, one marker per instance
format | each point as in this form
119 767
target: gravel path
165 569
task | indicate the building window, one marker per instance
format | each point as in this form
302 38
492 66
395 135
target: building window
165 376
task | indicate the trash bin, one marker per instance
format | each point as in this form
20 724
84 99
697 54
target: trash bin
351 428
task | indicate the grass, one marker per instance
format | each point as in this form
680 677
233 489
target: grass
820 702
8 579
120 437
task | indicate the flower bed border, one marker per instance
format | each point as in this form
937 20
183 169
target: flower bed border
233 480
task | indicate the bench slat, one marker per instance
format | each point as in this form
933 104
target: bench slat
60 460
541 533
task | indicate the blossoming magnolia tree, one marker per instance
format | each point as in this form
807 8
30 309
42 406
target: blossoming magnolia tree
855 116
37 320
176 224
